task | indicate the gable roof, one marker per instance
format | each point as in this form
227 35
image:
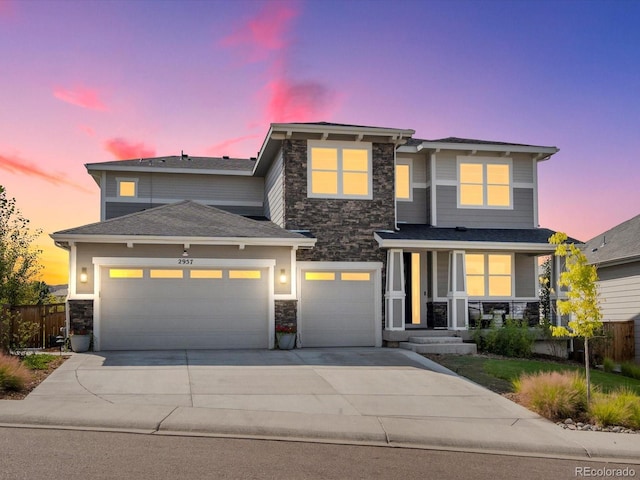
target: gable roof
185 219
618 244
526 239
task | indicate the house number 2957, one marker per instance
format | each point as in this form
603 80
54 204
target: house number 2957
185 261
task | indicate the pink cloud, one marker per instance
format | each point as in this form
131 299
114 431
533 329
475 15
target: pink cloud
81 97
124 149
229 147
264 33
298 101
16 165
87 129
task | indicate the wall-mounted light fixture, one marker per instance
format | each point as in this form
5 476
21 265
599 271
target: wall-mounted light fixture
185 253
283 276
83 275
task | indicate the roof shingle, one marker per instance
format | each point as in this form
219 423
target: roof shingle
618 243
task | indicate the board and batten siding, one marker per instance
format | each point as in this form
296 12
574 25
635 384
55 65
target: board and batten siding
526 281
226 189
274 192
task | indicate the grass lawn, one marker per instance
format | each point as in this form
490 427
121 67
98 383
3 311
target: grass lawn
496 373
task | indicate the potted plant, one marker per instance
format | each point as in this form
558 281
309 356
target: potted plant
286 336
80 340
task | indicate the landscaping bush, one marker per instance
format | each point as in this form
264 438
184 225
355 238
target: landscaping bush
630 370
553 395
608 365
513 339
14 376
38 362
621 407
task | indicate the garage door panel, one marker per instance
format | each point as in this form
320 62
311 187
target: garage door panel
338 313
158 313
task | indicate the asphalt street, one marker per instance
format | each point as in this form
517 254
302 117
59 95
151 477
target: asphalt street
66 454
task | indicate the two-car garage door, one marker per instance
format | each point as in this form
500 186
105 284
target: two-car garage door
145 308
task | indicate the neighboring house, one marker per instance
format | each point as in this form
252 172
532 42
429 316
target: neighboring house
357 234
616 253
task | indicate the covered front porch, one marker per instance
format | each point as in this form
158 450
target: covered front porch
446 281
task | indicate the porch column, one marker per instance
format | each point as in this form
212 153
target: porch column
394 297
457 296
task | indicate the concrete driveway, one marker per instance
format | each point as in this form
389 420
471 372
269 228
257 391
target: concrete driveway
345 381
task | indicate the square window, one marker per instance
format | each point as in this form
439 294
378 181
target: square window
484 182
127 188
339 169
489 274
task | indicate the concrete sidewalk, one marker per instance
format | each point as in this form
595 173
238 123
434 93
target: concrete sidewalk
366 396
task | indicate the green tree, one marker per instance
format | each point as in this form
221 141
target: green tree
19 263
582 297
18 267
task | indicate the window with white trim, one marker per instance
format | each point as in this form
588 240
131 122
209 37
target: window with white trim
127 187
404 192
484 182
339 170
489 274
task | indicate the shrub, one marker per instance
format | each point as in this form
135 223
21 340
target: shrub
513 339
14 376
608 365
554 395
38 362
631 370
621 407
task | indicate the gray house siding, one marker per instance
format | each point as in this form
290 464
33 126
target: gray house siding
118 209
274 192
446 165
449 215
443 274
237 194
525 276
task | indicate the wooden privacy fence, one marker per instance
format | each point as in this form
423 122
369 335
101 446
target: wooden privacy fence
49 318
619 341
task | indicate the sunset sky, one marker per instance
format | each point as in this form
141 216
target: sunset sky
89 81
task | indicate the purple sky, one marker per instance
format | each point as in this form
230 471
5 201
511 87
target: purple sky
90 81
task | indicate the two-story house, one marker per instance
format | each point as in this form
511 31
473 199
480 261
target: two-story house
357 235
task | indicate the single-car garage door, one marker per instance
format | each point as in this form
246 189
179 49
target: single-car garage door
338 308
176 308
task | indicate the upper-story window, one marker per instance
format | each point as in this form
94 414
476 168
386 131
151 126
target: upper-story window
484 182
339 170
127 187
404 192
489 275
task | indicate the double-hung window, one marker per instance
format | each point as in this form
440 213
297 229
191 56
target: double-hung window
484 182
339 170
489 274
404 190
127 187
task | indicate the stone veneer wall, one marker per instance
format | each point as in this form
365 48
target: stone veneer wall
81 315
286 312
344 228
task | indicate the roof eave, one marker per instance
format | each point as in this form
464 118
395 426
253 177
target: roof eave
540 153
97 167
159 239
464 245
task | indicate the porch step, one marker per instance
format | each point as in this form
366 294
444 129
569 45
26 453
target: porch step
431 340
457 348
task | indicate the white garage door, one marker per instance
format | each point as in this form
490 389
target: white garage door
166 308
338 308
